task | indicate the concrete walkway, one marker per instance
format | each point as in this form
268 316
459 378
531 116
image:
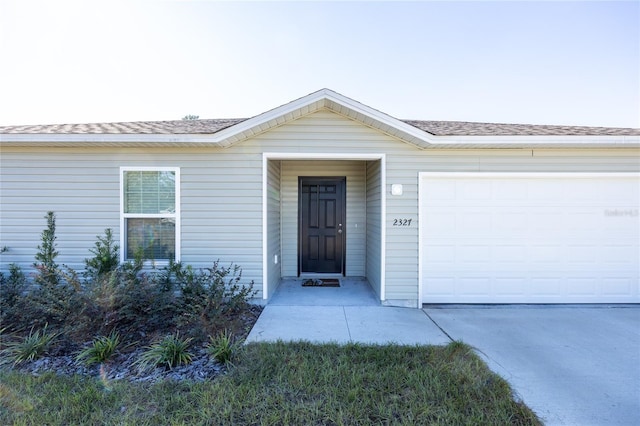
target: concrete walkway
349 313
573 365
344 324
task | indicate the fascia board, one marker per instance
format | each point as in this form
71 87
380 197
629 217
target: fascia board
537 141
102 139
378 116
234 133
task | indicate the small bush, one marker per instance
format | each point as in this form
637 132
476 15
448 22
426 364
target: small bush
12 291
45 258
168 352
58 298
223 347
106 258
208 297
29 347
101 349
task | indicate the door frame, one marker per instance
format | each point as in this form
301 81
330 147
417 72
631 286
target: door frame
275 156
343 213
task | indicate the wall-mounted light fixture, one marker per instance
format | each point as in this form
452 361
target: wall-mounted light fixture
396 189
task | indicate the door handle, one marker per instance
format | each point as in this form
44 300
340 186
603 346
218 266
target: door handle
339 231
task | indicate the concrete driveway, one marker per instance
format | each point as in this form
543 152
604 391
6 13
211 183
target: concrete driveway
571 365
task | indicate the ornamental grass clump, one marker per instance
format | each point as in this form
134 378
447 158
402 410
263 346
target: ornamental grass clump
223 347
101 349
30 347
169 352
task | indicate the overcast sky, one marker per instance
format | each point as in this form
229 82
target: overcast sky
543 62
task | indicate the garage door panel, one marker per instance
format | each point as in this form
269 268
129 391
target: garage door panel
509 286
544 190
442 285
437 224
471 191
582 286
616 286
440 254
579 256
518 238
505 254
620 255
473 286
509 191
546 286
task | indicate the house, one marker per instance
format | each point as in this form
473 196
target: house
427 212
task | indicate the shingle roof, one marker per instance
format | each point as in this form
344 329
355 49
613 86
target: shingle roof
464 128
211 126
174 127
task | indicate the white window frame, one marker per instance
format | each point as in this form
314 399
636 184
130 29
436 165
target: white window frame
176 215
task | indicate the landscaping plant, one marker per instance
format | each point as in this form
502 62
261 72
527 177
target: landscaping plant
106 258
12 300
57 299
223 347
169 352
28 348
45 262
101 350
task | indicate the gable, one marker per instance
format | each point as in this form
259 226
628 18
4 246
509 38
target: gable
327 130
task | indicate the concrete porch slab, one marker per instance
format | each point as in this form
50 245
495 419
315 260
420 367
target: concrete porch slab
353 291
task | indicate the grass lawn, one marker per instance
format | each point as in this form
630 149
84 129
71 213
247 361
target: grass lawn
284 383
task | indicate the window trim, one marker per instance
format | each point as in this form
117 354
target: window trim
176 215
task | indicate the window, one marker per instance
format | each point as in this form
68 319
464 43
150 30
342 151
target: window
150 213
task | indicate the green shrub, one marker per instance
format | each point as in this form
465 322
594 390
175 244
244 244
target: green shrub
130 300
223 347
106 258
168 352
29 347
45 258
12 297
209 295
101 349
57 298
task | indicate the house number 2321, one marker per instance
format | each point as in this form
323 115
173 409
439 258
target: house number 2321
402 222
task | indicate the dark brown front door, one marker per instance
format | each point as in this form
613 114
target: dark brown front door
322 228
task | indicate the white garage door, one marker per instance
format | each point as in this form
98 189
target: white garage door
529 238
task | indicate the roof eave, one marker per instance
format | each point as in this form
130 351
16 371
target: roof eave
532 142
108 140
